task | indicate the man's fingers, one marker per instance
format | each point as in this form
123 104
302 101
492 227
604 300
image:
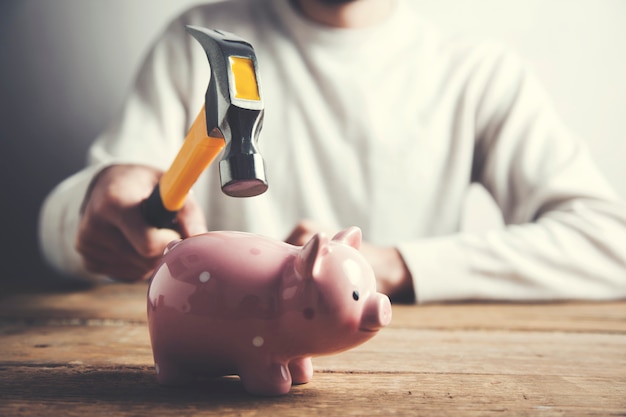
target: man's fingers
106 251
303 232
191 220
113 238
95 254
146 240
119 270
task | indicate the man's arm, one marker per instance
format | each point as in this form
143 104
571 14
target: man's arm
124 164
565 234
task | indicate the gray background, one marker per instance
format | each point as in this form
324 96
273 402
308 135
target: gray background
65 66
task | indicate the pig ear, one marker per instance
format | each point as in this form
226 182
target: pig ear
308 260
351 236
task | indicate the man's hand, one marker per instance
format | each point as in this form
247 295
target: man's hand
113 238
392 276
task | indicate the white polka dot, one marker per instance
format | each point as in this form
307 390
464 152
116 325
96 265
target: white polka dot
258 341
289 292
156 367
204 276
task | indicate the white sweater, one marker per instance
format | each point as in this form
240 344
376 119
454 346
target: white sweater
384 128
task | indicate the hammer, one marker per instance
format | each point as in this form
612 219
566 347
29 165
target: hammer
231 118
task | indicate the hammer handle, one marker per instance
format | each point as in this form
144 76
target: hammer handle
168 196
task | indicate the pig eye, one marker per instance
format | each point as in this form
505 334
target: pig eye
355 295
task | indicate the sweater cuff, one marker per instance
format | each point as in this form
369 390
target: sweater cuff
437 267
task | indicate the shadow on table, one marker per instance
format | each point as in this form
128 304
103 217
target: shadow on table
133 387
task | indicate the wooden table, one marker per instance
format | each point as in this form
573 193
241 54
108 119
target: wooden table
87 353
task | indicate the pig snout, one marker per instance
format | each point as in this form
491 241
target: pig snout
376 314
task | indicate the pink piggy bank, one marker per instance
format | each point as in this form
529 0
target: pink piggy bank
226 303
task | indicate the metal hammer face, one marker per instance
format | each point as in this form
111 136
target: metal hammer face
231 118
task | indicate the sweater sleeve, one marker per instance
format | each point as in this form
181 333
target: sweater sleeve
148 131
565 233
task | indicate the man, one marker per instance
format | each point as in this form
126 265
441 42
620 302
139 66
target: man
372 119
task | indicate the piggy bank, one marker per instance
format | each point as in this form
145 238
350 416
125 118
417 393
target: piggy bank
232 303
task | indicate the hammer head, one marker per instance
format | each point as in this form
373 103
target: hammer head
234 110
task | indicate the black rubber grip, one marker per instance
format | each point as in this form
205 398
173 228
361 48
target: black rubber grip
155 212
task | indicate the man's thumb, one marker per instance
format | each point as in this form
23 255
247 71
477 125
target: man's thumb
191 220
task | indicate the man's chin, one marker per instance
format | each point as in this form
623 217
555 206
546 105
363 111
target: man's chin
335 2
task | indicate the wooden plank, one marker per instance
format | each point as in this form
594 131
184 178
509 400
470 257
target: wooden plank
88 353
487 352
75 345
605 317
111 302
127 303
130 391
393 350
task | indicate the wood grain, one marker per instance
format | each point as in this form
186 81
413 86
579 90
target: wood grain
131 391
88 353
127 303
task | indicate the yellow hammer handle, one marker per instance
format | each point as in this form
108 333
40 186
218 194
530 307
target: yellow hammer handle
197 152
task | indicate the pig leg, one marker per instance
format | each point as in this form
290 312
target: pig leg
266 380
301 370
170 373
